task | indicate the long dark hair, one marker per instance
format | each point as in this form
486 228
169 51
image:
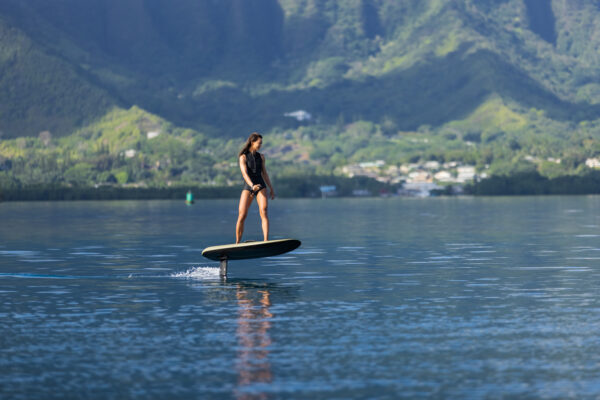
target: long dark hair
254 136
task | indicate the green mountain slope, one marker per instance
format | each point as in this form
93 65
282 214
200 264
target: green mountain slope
186 61
489 82
160 51
41 92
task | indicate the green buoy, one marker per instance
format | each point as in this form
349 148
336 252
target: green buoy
189 198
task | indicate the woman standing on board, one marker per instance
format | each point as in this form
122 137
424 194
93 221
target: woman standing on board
254 172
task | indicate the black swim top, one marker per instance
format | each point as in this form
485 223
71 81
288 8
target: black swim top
254 166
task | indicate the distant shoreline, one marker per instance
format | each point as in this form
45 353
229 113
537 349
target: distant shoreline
298 187
523 184
49 193
532 183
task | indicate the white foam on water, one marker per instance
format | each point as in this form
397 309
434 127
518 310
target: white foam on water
25 253
314 277
444 257
427 262
33 276
201 273
309 251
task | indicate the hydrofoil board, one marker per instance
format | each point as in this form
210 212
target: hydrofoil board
246 250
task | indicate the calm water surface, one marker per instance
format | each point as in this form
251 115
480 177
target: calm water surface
386 298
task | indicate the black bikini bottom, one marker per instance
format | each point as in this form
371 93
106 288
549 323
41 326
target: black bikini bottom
249 188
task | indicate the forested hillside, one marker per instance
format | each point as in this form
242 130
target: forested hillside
495 83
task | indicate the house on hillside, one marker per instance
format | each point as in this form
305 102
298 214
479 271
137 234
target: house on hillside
443 176
432 165
592 163
299 115
465 173
419 176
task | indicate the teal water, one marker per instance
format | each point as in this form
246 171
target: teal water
386 299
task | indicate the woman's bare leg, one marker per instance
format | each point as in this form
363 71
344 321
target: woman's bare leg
262 200
245 201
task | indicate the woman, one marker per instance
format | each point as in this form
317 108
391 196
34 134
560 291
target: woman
254 172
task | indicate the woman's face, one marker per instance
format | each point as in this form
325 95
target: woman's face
256 144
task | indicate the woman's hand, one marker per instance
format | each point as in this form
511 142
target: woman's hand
256 188
272 192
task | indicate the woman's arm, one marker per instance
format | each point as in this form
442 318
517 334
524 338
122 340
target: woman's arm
265 176
245 171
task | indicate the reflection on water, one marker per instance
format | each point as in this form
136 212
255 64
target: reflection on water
253 321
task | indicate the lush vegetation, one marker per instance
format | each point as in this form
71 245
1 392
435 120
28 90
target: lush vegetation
135 149
132 153
88 97
532 183
228 67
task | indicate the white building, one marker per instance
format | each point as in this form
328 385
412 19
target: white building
432 165
592 163
404 169
372 164
443 176
152 135
300 115
419 176
130 153
352 170
465 173
392 170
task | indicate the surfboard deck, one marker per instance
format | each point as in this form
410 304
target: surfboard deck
247 250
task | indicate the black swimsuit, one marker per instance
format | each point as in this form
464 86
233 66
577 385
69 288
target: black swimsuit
254 167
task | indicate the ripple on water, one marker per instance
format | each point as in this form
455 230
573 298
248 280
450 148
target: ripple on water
309 251
33 276
22 253
345 262
513 317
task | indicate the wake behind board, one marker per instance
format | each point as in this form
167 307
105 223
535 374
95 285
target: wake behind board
243 251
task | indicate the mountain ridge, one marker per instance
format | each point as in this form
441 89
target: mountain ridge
116 55
375 73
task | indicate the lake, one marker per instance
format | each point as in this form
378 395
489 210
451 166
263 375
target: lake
385 299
